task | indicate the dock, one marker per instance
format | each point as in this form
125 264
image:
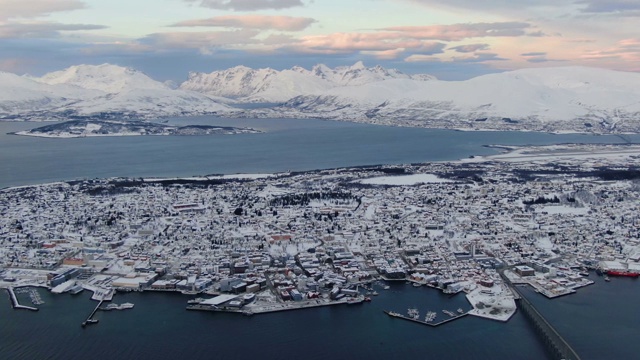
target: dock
404 317
270 308
14 301
90 320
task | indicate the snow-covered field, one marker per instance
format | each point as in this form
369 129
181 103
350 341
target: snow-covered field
404 180
559 152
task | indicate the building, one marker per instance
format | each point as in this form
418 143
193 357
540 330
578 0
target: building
524 270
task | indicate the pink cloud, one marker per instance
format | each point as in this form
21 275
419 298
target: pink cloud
457 32
247 5
34 8
388 42
263 22
201 40
469 48
626 49
41 29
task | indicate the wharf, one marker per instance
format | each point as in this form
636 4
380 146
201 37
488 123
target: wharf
264 309
14 301
404 317
90 320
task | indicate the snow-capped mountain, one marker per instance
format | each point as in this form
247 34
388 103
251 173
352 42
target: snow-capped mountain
269 85
20 95
111 79
577 99
551 99
97 92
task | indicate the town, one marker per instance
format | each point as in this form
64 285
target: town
261 243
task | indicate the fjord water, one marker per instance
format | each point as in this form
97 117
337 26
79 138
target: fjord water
159 327
286 145
598 322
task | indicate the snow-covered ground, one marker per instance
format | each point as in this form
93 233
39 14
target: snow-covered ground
404 180
496 303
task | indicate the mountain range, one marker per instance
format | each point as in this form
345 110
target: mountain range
102 91
272 86
562 99
575 99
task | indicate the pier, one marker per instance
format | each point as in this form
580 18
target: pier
553 341
90 320
268 308
403 317
14 301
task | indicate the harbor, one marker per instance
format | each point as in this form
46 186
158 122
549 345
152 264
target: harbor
14 301
414 316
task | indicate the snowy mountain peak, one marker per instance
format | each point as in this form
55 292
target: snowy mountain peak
550 99
106 77
358 66
269 85
97 91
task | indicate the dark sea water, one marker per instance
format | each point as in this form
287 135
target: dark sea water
159 327
600 322
287 144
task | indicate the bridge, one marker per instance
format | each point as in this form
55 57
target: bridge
554 342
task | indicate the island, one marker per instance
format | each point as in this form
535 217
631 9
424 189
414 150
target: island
93 128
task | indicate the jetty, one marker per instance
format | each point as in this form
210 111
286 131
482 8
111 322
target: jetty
268 308
90 320
14 301
415 320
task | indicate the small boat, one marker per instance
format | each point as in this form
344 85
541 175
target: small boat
375 293
606 278
386 287
126 306
417 284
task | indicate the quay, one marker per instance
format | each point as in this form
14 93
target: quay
90 320
404 317
553 341
264 309
14 301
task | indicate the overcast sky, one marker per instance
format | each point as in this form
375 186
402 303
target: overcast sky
453 39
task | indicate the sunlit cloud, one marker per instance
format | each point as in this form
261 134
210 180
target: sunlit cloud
457 32
263 22
247 5
609 6
41 29
627 50
10 9
469 48
200 40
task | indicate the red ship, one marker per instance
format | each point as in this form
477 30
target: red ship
622 273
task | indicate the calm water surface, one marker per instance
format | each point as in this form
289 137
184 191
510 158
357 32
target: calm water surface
287 144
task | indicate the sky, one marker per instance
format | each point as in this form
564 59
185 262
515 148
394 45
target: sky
453 39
